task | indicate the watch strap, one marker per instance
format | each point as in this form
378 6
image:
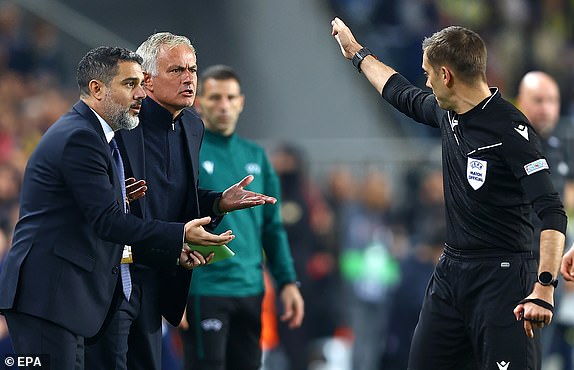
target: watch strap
360 56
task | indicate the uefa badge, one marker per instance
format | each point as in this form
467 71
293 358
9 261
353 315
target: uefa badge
475 172
208 167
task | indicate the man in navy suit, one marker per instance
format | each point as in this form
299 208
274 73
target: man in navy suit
60 280
163 150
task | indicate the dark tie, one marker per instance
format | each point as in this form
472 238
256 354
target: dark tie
125 268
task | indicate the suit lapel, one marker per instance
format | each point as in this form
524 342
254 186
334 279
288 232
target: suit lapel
85 111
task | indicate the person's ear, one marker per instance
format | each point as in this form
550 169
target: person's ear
148 81
242 102
446 76
97 89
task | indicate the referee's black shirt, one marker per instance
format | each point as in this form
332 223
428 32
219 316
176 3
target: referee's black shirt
494 170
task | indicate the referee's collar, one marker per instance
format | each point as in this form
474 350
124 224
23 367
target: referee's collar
493 93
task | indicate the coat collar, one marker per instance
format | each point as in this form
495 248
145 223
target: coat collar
84 110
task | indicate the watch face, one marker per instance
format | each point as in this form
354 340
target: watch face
545 278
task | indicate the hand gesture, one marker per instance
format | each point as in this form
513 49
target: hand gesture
567 267
293 306
236 197
189 259
534 315
196 234
349 46
135 189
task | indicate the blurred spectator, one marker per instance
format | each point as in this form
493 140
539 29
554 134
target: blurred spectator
5 344
29 45
306 217
539 99
10 179
422 211
46 51
406 300
14 50
341 195
369 269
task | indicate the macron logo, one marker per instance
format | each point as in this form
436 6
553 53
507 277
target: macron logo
503 365
522 130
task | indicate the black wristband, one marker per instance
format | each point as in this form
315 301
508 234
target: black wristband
360 56
538 302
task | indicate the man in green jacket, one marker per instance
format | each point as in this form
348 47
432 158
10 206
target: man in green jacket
224 306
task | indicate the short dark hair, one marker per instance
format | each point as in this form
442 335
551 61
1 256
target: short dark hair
217 72
461 49
101 64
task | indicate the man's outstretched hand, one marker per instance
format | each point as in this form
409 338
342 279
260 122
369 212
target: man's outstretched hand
195 233
236 197
135 189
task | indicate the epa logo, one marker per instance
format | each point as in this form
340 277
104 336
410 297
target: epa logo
40 362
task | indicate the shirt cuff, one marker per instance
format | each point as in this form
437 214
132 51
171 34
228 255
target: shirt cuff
216 209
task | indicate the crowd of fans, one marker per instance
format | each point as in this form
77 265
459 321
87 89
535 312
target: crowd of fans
521 35
363 254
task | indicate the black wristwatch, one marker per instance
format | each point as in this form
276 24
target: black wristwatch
545 278
359 56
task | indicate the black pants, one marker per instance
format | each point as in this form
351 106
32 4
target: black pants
224 333
35 336
132 338
467 319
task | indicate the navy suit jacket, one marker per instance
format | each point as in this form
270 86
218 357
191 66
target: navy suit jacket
64 262
174 288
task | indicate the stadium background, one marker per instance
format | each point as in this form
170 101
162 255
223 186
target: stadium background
299 91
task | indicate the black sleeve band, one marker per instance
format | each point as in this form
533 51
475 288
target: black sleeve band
545 201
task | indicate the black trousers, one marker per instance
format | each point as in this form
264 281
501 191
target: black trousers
467 319
224 333
132 338
32 335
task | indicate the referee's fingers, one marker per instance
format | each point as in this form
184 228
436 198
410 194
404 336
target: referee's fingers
528 329
518 312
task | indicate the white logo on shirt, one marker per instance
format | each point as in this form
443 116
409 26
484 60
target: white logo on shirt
208 166
503 365
537 165
475 172
253 168
522 130
211 324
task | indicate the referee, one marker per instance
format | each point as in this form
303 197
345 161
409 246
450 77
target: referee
488 296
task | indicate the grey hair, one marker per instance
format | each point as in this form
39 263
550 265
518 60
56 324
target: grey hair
150 48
